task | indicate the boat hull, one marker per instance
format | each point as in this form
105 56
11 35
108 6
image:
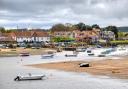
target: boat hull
71 55
47 56
21 78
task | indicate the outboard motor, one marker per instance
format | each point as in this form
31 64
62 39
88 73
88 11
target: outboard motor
17 78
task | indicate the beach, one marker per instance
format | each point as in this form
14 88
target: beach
110 67
10 67
62 72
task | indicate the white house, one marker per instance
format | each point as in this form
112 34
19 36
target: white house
108 34
31 36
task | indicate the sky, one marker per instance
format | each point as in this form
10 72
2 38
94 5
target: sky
46 13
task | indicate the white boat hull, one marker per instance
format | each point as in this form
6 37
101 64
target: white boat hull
20 78
48 56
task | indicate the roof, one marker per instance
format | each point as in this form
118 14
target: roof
30 34
3 39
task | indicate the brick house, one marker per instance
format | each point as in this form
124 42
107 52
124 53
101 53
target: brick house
6 38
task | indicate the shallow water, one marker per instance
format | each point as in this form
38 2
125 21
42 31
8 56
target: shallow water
10 67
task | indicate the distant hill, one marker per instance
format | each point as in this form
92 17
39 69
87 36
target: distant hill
123 29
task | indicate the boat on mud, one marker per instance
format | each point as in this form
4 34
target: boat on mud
47 55
70 55
29 77
24 54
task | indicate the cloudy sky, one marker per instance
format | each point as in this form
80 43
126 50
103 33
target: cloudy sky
45 13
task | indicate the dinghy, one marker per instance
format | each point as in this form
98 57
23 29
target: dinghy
29 77
47 55
70 55
24 54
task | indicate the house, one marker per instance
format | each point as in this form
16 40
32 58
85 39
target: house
107 35
6 38
30 36
84 36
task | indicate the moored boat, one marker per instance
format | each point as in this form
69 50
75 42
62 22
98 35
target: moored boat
24 54
47 55
70 55
29 77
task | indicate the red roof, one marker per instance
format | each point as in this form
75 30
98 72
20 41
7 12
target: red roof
30 34
2 39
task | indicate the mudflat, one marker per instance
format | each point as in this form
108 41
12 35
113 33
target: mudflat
111 67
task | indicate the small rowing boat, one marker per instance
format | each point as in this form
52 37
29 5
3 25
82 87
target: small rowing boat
24 54
47 55
70 55
29 77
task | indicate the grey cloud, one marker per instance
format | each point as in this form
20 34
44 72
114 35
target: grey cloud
55 11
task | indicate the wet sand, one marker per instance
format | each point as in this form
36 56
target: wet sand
111 67
10 67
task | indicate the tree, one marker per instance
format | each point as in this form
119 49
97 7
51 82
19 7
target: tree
58 27
88 28
96 26
80 26
2 29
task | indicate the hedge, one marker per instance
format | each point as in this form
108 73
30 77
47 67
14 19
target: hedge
119 42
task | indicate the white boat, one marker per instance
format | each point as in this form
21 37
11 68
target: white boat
80 50
47 55
29 77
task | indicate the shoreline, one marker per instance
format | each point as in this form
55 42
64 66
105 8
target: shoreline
17 51
116 68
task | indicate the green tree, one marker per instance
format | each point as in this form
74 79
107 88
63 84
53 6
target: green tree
81 26
2 29
96 26
88 28
58 27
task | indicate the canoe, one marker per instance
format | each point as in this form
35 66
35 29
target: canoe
36 77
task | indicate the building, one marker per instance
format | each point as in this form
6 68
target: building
5 38
107 35
85 36
69 34
30 36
